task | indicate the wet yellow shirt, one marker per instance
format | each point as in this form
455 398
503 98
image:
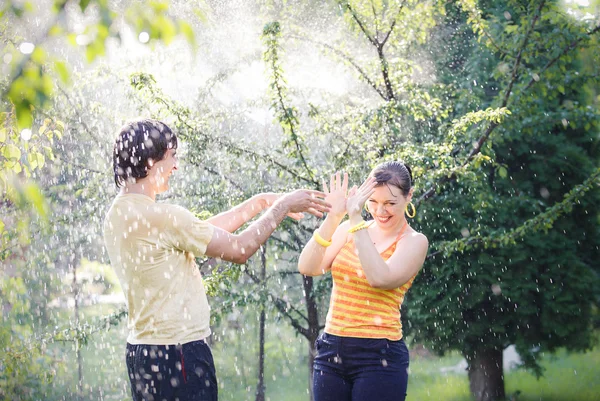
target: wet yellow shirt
151 248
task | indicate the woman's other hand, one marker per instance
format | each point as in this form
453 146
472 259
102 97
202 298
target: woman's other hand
358 196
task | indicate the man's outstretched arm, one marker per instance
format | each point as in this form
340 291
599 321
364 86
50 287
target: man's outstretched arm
238 248
237 216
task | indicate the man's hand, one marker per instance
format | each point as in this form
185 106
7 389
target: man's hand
306 200
267 199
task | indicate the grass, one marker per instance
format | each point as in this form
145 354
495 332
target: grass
426 382
568 377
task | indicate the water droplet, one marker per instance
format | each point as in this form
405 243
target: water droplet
26 134
26 47
144 37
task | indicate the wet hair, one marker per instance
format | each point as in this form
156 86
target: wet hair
394 173
140 143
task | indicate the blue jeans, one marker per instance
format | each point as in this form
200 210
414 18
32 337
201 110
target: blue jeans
360 369
182 372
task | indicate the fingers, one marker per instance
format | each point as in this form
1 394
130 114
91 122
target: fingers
365 191
368 194
336 183
369 182
332 183
296 216
313 193
315 199
352 191
325 186
314 212
320 204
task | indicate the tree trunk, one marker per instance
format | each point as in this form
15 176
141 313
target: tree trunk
75 286
486 375
313 327
260 387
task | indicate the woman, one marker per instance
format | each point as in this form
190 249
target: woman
361 354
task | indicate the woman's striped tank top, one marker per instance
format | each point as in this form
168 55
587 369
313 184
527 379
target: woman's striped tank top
358 310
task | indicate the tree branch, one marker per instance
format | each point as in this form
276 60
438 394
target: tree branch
493 125
157 97
388 34
541 221
393 23
567 49
375 19
386 75
271 54
283 306
347 58
289 118
360 24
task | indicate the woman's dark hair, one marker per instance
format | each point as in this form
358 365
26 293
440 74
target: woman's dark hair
139 144
394 173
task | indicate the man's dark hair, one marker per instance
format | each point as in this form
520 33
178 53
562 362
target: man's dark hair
140 144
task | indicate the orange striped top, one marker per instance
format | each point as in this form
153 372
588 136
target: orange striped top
358 310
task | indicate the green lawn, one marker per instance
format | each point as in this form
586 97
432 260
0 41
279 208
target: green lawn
427 383
567 377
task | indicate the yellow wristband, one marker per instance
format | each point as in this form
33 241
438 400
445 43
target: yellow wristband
320 239
358 227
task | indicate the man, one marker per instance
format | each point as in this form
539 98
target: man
152 247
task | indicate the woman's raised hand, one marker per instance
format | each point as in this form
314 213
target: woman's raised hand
358 196
336 194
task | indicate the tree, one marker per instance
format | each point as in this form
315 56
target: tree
522 291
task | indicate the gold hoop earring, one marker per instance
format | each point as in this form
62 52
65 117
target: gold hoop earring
414 210
366 208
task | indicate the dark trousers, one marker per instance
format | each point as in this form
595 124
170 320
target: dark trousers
360 369
183 372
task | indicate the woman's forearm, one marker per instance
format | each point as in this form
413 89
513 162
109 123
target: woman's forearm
375 269
311 258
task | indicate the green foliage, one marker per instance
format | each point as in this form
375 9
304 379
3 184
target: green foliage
30 85
25 370
497 273
286 116
23 153
542 222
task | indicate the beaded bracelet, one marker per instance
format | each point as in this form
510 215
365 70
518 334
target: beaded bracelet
359 226
320 239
